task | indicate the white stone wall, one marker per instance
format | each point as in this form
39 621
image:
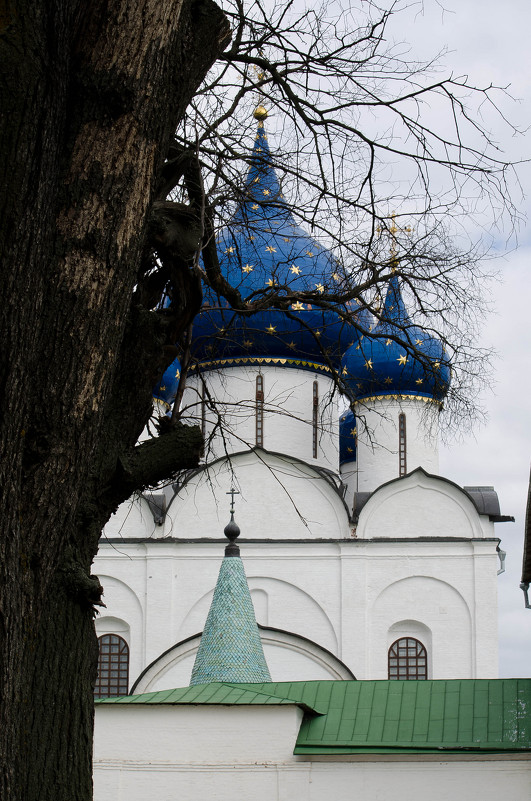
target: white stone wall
227 753
288 412
377 448
345 596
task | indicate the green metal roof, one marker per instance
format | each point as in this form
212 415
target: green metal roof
354 717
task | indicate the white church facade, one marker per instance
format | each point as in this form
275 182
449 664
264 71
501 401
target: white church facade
364 565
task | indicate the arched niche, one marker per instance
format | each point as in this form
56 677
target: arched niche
123 608
419 505
287 607
289 656
427 604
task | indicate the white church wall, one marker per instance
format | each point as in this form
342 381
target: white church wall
288 412
227 753
327 592
279 499
420 506
377 445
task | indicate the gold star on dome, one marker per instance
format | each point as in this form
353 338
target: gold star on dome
418 381
418 342
266 192
336 277
248 268
317 333
344 371
391 308
255 207
320 288
368 364
178 374
163 389
258 149
353 432
388 380
256 180
264 137
251 239
271 329
359 385
230 250
388 341
349 450
358 347
292 345
270 249
271 282
294 269
436 365
402 359
247 343
286 239
309 253
298 306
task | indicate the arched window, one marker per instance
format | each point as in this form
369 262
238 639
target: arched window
113 667
408 659
315 417
402 462
260 409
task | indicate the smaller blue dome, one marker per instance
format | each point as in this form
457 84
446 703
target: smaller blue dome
166 389
380 364
348 437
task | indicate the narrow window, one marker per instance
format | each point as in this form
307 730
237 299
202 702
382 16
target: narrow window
113 667
203 408
402 462
408 660
315 417
260 410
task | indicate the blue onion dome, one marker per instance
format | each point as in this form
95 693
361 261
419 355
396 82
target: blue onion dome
263 248
397 358
348 437
166 389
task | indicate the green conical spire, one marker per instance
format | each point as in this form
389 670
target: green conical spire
230 648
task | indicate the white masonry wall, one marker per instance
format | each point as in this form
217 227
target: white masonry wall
246 752
377 447
288 412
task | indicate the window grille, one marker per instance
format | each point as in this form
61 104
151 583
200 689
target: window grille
407 660
402 444
260 410
113 667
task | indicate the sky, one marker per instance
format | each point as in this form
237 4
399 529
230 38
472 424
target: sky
489 42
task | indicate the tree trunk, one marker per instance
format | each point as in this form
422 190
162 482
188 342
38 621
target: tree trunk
91 94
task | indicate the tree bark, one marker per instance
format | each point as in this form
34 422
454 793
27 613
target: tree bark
91 95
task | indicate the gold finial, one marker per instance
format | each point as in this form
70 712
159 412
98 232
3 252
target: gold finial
392 231
260 113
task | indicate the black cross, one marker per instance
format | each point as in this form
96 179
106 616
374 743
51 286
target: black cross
232 492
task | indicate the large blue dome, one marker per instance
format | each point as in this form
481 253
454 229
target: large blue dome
264 247
166 389
380 365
